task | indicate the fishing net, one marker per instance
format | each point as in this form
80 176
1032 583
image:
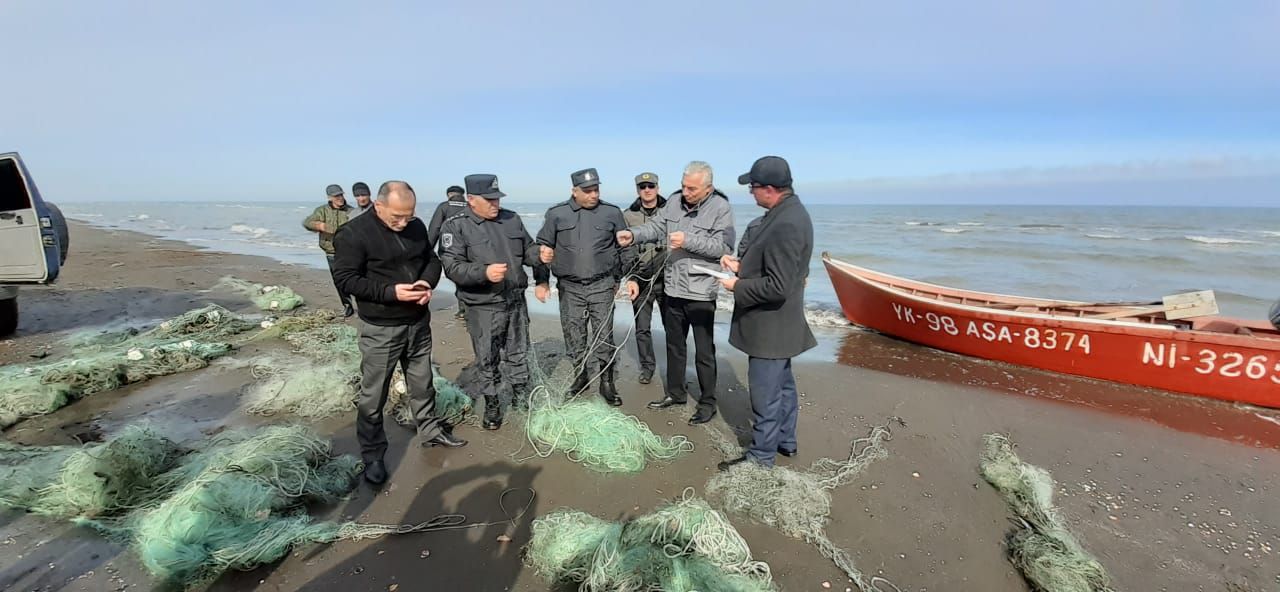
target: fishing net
233 501
276 298
590 432
682 546
209 323
798 503
1043 549
45 388
325 380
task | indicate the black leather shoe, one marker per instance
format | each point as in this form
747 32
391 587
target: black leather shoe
702 417
724 466
646 377
446 440
664 403
492 414
348 311
610 393
461 314
788 452
376 472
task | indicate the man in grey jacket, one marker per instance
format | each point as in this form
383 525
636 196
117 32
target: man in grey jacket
697 225
768 307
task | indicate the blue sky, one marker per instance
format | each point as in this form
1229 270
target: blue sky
1065 102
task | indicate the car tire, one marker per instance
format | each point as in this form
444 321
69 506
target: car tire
59 223
8 316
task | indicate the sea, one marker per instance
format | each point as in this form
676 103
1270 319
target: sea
1088 253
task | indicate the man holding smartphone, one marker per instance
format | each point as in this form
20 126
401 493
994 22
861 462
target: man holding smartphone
386 262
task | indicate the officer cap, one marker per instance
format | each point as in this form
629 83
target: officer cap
485 186
585 178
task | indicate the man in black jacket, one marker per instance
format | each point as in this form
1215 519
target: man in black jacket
385 261
768 307
485 250
455 203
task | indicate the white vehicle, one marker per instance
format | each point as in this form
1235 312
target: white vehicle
33 238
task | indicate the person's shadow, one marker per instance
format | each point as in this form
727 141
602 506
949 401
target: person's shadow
498 497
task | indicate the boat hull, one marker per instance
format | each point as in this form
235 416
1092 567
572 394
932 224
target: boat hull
1222 366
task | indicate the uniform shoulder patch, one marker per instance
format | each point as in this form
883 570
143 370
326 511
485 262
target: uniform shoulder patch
446 240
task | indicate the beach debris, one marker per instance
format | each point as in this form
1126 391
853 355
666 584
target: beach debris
273 298
1042 548
797 503
191 511
683 545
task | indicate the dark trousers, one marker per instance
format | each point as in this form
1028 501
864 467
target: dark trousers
774 407
381 348
650 294
678 316
500 340
586 316
346 299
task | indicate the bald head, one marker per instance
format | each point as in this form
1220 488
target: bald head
395 204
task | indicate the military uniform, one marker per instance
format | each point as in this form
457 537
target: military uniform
497 314
333 219
650 258
588 264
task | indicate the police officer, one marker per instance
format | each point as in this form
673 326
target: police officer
455 203
484 251
579 240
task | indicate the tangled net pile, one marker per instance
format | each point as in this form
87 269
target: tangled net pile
1043 549
325 380
685 545
592 433
110 360
234 501
798 503
274 298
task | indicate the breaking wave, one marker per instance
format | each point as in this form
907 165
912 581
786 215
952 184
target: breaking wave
1218 240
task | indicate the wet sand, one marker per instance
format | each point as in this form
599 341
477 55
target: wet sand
1169 492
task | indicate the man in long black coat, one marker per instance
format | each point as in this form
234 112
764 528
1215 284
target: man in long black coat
768 307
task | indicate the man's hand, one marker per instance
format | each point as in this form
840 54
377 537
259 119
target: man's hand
546 254
426 286
541 291
729 283
411 292
633 290
495 272
676 239
730 263
320 227
625 238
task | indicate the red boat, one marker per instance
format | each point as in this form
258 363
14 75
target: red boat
1211 356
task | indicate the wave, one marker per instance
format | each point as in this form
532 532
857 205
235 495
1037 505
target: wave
1218 240
916 223
250 230
1106 236
816 313
140 217
971 223
1270 232
953 230
1041 226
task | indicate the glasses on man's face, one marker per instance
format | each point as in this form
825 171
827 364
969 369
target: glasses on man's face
403 218
755 186
647 186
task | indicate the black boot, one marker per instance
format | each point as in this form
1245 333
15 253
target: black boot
492 413
579 383
347 310
609 392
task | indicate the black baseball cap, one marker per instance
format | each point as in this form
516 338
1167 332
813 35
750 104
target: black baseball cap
454 190
768 170
485 186
359 188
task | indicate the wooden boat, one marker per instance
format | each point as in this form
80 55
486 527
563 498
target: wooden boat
1135 343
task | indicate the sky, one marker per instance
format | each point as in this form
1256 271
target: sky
1090 102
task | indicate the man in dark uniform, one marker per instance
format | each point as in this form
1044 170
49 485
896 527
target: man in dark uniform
364 200
383 259
648 273
325 222
484 250
768 307
579 240
455 203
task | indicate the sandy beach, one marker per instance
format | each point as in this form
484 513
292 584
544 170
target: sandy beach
1168 492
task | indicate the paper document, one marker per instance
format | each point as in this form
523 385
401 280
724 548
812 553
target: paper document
715 273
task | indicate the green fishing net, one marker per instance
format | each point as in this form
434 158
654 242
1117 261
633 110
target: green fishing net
274 298
1043 549
191 511
798 503
683 546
